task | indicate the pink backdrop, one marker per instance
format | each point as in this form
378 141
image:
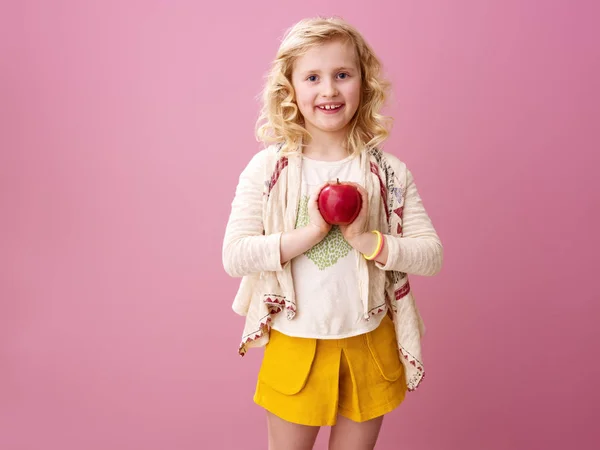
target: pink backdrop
124 129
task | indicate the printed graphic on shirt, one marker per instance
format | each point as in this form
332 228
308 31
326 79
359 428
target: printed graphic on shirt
327 252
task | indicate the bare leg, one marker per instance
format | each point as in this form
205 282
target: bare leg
349 435
284 435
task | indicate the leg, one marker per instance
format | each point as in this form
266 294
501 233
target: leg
349 435
284 435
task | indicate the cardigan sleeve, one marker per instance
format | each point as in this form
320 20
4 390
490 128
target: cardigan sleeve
245 249
419 250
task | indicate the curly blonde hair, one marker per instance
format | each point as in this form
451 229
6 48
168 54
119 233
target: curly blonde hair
280 120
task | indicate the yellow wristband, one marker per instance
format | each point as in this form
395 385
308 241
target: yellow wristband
378 248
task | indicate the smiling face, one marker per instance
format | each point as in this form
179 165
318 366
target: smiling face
327 84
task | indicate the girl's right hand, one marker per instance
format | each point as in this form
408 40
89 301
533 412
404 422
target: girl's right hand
299 240
315 217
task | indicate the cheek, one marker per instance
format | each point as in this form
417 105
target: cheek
304 101
354 92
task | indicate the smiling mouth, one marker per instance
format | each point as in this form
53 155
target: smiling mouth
330 107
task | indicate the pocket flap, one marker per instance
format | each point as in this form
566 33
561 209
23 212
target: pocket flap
287 362
384 349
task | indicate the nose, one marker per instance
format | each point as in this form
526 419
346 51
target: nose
329 89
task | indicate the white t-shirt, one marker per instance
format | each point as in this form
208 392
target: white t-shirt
326 276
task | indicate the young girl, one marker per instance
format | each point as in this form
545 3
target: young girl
332 305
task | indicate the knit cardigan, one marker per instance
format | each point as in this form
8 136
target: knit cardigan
266 204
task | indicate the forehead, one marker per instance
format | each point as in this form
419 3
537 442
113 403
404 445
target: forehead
327 56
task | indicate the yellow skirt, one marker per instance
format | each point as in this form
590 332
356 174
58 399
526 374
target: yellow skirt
311 381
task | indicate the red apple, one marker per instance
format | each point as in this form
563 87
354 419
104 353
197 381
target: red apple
339 203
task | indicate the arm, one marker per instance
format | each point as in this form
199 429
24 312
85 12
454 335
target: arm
419 251
245 249
300 240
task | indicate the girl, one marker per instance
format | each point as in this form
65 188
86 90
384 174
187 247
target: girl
331 304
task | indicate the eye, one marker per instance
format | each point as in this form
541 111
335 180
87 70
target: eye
312 78
343 75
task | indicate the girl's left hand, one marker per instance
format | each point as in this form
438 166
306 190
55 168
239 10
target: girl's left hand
357 228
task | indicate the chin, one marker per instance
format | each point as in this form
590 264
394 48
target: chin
333 128
330 125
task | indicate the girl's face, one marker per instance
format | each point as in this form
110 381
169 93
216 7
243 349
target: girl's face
327 84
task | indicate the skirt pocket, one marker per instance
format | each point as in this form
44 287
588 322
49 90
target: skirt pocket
384 349
287 362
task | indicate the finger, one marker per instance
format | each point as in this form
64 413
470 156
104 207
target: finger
360 188
323 186
314 197
365 202
363 193
317 192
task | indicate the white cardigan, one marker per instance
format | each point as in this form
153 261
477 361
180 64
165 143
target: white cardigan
414 247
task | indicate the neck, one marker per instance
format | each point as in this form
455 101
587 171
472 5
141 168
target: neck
327 146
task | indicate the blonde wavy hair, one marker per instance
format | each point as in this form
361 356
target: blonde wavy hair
280 120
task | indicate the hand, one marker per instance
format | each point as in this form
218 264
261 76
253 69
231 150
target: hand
315 217
357 228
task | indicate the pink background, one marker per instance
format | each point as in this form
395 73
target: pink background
124 129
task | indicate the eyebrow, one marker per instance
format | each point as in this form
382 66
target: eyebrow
337 69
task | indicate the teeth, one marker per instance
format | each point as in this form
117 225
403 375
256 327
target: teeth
329 107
